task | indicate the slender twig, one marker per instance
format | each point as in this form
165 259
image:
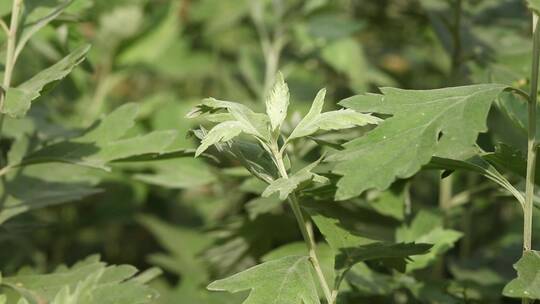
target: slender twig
10 58
305 227
4 26
531 144
11 44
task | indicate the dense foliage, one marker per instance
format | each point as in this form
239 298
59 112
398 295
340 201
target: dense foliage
269 151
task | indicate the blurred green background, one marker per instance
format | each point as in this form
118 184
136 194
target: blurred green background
199 221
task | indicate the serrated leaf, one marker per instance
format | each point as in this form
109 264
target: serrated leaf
527 284
82 284
18 99
284 281
252 123
222 132
334 120
442 122
277 102
286 186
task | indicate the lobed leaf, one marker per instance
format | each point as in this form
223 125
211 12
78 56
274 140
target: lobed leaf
443 122
284 281
83 283
527 284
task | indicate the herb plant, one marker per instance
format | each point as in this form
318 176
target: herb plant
422 192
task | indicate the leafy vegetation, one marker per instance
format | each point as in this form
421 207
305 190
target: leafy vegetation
351 152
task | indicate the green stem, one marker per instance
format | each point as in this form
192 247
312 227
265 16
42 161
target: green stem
10 58
11 44
531 144
305 227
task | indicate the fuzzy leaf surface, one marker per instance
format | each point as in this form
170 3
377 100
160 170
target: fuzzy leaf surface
83 283
284 281
286 186
277 103
442 122
222 132
333 120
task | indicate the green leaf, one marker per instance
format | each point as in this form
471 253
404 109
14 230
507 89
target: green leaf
482 165
534 5
18 99
35 188
252 123
334 120
277 103
427 228
153 44
510 159
183 245
442 122
351 248
284 281
100 145
347 57
527 284
285 186
181 173
33 27
262 205
222 132
377 251
82 284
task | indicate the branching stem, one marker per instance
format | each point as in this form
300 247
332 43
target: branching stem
305 227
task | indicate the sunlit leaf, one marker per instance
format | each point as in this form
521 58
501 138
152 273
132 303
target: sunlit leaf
442 122
284 281
334 120
277 103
